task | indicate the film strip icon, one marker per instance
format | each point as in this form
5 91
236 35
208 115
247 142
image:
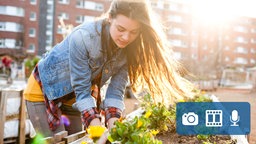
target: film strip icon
213 118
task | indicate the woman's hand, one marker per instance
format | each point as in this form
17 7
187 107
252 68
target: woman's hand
104 137
95 122
111 123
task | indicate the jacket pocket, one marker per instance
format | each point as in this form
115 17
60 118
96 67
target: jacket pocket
94 64
58 72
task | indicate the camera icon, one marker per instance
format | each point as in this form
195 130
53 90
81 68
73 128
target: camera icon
190 119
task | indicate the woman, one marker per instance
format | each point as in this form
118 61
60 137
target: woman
127 42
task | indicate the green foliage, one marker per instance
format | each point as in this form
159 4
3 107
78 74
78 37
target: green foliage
157 119
135 131
200 97
161 117
202 137
30 64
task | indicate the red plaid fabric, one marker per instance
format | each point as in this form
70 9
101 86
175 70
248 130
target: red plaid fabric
52 109
111 112
89 115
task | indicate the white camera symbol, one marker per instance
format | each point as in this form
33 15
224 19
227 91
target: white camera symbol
190 118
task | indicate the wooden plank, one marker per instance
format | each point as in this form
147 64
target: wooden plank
2 116
5 94
47 140
62 142
22 125
58 136
73 137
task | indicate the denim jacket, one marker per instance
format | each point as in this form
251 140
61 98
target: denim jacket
72 64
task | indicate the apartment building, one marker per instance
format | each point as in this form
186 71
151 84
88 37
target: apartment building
31 27
196 43
18 28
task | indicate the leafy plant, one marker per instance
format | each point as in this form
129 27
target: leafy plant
161 117
134 131
30 64
200 97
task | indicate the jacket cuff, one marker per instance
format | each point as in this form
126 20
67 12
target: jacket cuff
88 115
112 112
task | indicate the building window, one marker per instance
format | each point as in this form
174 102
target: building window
241 40
64 1
63 16
79 4
175 18
253 50
79 19
13 11
177 31
99 7
240 29
32 16
2 26
1 43
93 6
11 27
10 43
253 30
32 32
33 2
252 61
31 48
89 18
241 50
253 40
227 59
240 60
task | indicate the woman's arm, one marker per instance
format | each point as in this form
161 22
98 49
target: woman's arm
81 78
114 101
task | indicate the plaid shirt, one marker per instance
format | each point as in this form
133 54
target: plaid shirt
53 111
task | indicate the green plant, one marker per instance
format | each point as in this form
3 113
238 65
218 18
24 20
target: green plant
200 96
134 131
161 117
30 64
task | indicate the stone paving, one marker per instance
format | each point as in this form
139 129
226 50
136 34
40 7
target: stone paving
241 96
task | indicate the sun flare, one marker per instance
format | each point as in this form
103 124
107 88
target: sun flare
217 12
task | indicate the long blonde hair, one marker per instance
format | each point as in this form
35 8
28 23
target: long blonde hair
151 64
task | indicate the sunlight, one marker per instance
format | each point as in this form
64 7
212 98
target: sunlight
218 12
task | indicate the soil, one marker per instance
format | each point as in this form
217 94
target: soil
174 138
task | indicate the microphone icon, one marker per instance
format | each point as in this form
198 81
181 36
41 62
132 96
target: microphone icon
234 118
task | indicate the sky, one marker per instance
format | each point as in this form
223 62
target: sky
224 8
218 12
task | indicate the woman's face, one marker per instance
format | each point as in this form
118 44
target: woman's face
123 30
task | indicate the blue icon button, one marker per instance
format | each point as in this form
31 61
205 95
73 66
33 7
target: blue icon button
224 118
